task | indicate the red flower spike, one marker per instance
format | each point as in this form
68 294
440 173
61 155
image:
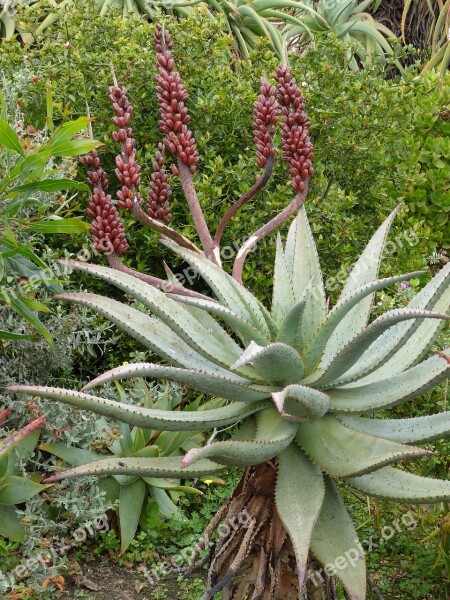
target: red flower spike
171 94
107 231
158 198
265 115
296 145
127 171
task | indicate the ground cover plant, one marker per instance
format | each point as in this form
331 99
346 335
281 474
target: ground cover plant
295 382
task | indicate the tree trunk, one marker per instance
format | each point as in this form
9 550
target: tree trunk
252 556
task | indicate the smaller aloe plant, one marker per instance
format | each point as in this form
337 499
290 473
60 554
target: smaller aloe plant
298 383
131 492
15 450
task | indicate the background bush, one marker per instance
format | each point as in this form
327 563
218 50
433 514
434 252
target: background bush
377 141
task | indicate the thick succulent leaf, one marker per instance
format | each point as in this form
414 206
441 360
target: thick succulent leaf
404 344
335 539
245 329
405 431
364 272
283 298
332 336
347 357
299 495
70 454
149 418
419 340
165 466
343 452
166 507
301 403
10 525
273 435
228 290
302 261
151 332
290 331
229 386
277 363
399 486
168 311
393 390
131 501
213 327
18 489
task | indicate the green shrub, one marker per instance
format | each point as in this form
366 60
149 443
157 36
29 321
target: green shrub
376 141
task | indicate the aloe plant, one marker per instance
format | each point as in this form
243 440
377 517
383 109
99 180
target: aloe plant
132 493
299 382
15 450
350 21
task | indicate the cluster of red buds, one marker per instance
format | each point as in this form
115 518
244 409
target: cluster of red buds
296 145
171 95
265 116
107 230
158 198
127 170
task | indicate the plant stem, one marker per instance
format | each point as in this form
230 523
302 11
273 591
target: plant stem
187 184
285 214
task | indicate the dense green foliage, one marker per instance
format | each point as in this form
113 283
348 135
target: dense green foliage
376 140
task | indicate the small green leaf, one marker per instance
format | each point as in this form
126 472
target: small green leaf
17 305
50 185
9 138
70 226
74 147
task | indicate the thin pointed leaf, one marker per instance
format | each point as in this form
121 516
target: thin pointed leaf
9 138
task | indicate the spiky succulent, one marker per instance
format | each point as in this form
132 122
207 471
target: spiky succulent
294 383
297 386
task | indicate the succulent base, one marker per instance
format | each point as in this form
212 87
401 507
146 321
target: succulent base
252 556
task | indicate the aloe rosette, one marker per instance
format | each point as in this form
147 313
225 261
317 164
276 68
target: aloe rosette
297 385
